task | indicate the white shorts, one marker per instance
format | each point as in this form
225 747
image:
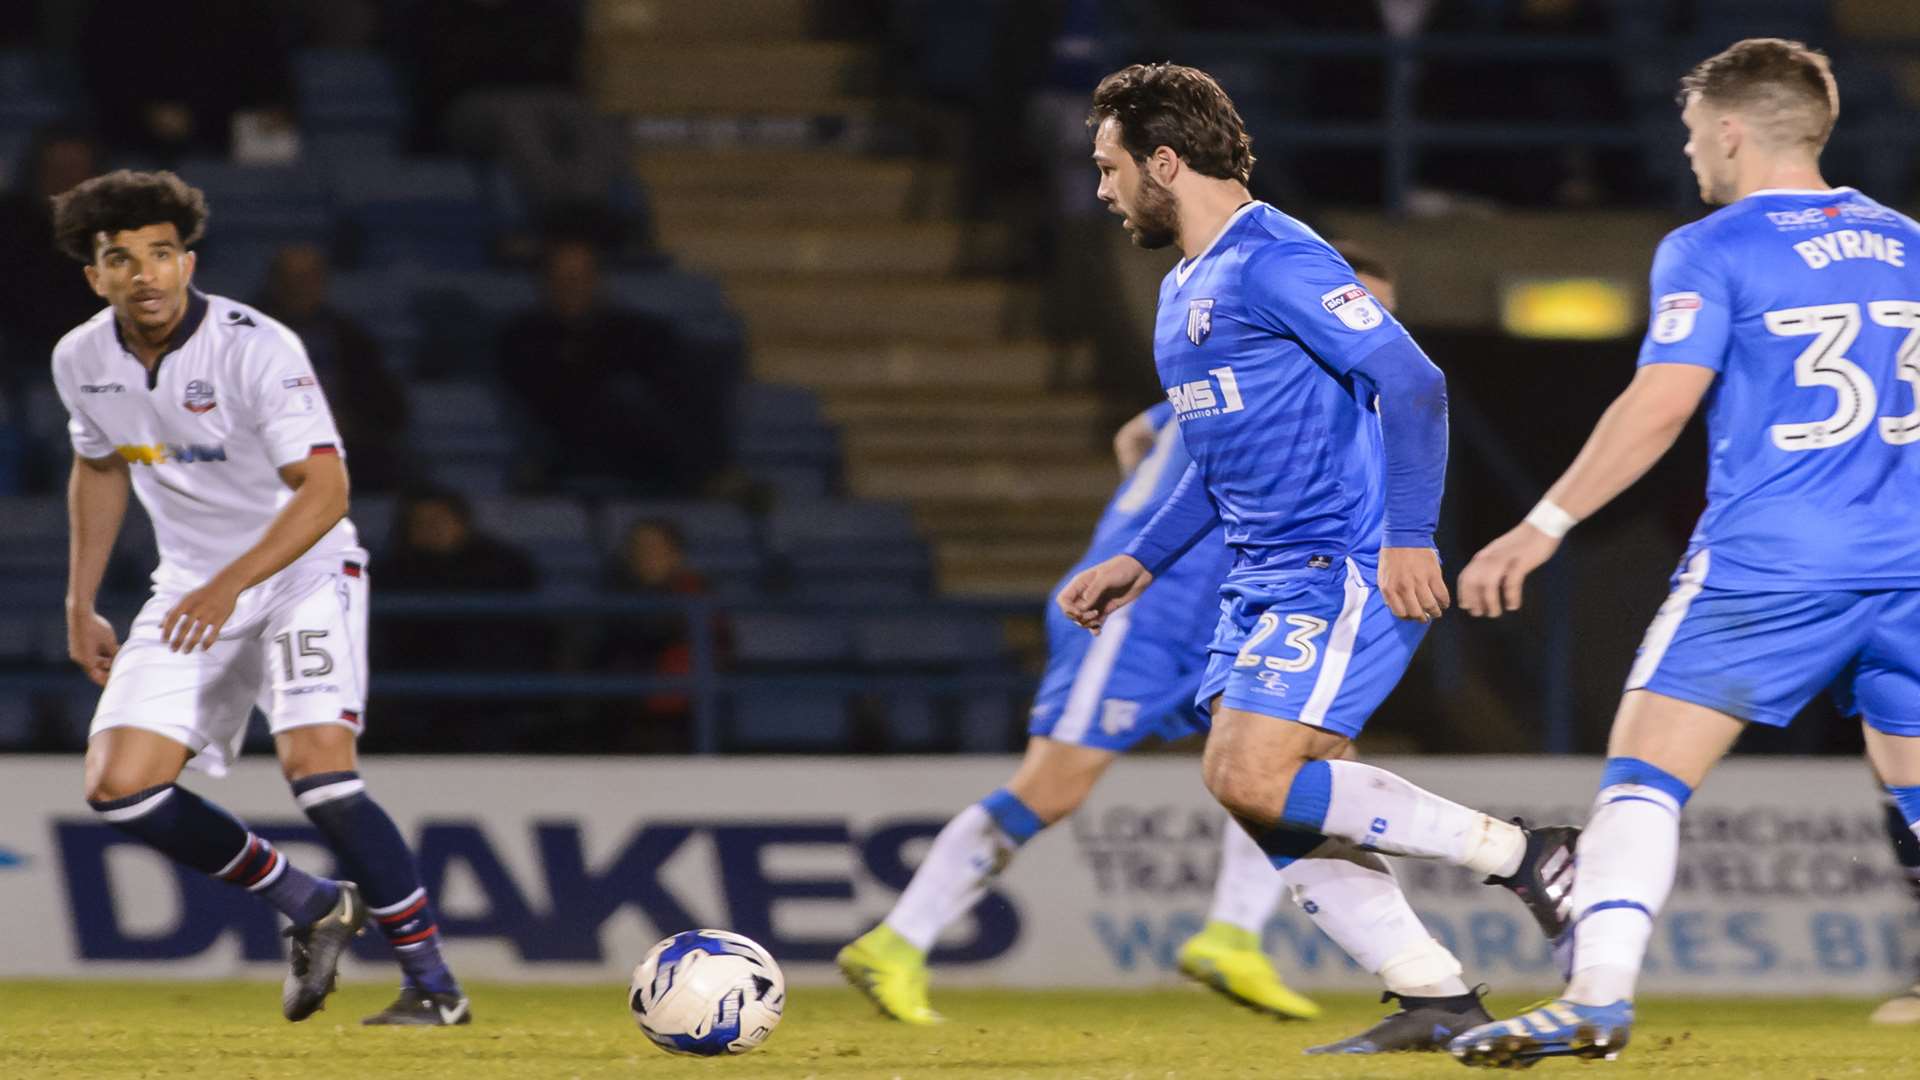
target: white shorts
296 646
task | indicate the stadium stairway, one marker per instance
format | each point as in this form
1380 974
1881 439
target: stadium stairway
857 280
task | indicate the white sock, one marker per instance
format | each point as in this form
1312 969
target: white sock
1351 895
1247 888
1376 809
966 855
1626 865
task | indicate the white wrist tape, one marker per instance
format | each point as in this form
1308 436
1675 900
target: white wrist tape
1550 519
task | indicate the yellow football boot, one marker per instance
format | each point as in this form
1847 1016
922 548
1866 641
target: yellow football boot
1228 959
891 972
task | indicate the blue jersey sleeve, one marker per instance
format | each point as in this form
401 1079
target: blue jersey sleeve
1306 291
1413 423
1158 414
1692 317
1186 516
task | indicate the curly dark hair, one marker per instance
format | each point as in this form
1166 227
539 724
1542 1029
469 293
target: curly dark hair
1787 86
125 200
1178 107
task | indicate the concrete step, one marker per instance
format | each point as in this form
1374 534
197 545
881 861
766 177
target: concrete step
754 78
1068 521
620 25
877 310
910 249
1009 478
679 208
1063 409
1027 571
1023 366
805 179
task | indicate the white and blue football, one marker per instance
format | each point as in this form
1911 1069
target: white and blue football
707 992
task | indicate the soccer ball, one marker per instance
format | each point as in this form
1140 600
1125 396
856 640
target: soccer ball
707 992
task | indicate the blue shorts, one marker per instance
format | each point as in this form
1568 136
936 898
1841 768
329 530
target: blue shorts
1133 682
1761 656
1315 646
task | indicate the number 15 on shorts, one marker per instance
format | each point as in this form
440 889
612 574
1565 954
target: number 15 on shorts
1301 640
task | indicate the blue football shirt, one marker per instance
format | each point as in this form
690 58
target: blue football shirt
1807 304
1256 340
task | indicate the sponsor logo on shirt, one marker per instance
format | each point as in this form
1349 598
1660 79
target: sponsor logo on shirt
297 382
1819 217
1353 306
170 453
199 397
1199 320
1192 400
1673 317
103 388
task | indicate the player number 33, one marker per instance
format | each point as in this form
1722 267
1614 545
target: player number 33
1833 328
1305 652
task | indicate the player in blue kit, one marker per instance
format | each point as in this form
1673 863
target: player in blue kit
1794 313
1318 435
1098 698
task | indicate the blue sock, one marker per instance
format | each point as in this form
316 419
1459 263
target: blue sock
1632 772
1308 797
1014 817
193 832
374 854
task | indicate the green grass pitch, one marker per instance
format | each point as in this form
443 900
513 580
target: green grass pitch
212 1031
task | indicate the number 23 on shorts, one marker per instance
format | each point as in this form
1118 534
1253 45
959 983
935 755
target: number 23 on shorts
1300 639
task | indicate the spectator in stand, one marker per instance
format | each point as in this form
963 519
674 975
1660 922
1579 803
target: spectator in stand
44 298
501 81
368 402
436 549
240 92
651 562
611 401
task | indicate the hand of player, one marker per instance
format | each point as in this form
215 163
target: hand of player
1490 585
196 620
92 644
1411 583
1099 591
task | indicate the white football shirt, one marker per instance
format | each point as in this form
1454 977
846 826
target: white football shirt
232 401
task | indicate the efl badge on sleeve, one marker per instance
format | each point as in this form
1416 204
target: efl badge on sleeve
1673 317
1354 306
1199 320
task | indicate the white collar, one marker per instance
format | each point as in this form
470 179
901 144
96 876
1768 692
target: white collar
1185 270
1801 191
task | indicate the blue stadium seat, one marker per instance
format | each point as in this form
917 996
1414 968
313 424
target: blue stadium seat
850 551
419 211
347 89
765 639
372 517
33 536
719 537
458 428
555 532
781 439
16 721
31 93
934 637
236 266
321 147
790 719
263 203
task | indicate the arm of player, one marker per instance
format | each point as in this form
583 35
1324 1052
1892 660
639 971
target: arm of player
1134 441
319 501
1099 591
1635 431
1413 424
96 505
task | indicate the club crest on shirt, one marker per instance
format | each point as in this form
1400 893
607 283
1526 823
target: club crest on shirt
1199 320
199 397
1353 306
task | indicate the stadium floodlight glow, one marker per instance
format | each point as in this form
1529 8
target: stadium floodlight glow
1576 308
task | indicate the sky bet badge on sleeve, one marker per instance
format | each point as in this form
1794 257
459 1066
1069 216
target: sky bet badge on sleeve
1673 318
1354 306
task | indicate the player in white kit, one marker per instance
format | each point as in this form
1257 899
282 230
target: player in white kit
210 413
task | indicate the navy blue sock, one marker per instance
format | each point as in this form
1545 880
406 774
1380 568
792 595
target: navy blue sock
376 856
193 832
